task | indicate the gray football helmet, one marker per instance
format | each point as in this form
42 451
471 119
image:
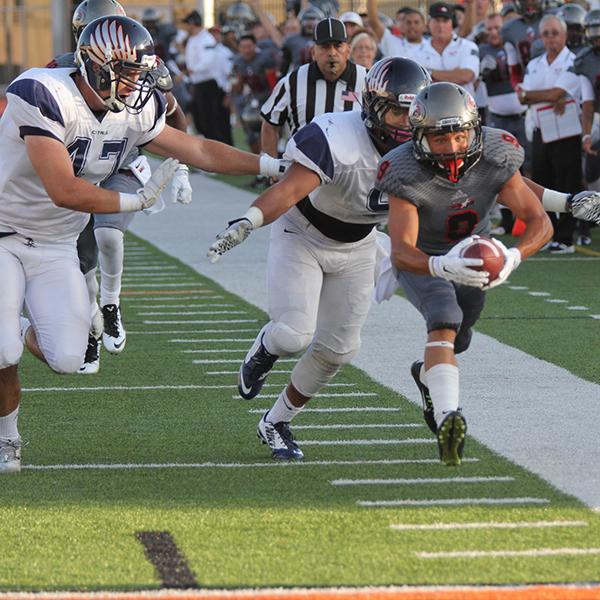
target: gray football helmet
591 26
89 10
443 108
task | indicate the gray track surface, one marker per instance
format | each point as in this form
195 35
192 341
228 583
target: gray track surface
538 415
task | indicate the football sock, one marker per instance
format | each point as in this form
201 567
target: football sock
8 426
283 410
442 381
110 244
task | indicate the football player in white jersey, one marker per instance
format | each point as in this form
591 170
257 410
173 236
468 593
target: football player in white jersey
63 132
321 262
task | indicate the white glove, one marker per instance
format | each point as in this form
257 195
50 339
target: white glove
236 232
585 206
512 259
456 250
150 193
458 270
140 167
181 189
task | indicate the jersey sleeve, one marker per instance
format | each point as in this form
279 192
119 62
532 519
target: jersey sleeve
275 108
35 110
158 104
470 58
394 173
503 151
310 148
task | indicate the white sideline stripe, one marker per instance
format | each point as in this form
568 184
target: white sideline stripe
207 361
273 372
191 331
508 553
577 308
454 501
208 322
152 267
162 285
489 525
191 312
407 441
203 305
340 409
146 387
212 465
557 301
361 426
341 395
211 340
424 480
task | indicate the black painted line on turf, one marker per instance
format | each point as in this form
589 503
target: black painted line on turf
169 562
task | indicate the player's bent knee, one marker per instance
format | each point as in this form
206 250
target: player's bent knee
317 367
463 340
283 340
65 363
109 239
10 353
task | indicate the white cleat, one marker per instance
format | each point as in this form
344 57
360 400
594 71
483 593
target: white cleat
10 456
91 362
114 335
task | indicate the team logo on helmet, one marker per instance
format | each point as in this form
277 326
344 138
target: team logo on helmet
417 112
108 42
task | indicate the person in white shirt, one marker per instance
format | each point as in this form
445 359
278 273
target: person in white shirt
204 66
447 56
64 131
556 163
409 46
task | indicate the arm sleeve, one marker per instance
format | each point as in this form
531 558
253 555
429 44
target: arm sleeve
35 109
275 108
587 91
310 148
569 82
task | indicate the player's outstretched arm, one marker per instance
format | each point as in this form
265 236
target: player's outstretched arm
296 184
212 156
53 165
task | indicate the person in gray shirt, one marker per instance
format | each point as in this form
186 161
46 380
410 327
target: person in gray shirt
441 189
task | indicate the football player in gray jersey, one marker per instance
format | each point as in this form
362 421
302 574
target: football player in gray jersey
441 190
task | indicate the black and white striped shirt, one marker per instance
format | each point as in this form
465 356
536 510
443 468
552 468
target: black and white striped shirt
305 93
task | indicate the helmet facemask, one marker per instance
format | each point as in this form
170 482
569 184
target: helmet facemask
375 108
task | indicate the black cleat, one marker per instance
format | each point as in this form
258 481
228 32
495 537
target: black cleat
114 336
415 371
254 369
451 438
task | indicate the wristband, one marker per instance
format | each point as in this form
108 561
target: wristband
129 202
554 201
269 166
173 108
255 216
587 136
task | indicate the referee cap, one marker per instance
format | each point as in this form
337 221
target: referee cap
330 30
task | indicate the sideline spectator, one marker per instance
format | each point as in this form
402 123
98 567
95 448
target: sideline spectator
353 22
363 48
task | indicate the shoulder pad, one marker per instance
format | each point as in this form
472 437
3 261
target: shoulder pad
502 150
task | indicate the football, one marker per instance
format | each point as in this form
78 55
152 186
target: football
491 254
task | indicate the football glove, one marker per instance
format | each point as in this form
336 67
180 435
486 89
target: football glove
585 206
236 232
148 195
512 259
181 189
458 270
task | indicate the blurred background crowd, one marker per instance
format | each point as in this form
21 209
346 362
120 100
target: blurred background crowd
533 67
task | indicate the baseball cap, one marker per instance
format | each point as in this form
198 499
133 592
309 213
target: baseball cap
330 30
351 17
441 10
193 18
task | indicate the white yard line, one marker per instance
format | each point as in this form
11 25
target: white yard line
538 552
115 388
339 409
189 331
186 313
212 465
202 305
218 361
487 525
192 283
197 322
420 480
361 426
212 341
154 267
241 351
453 502
341 395
272 372
385 442
194 295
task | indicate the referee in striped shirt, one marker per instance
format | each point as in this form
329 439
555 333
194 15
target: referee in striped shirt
330 83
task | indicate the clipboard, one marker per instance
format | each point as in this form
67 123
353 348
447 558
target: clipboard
555 127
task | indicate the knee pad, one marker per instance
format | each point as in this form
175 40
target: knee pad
65 363
317 367
110 240
283 340
10 352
